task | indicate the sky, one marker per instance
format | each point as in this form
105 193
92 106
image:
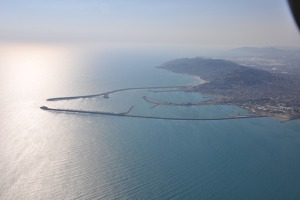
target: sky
203 23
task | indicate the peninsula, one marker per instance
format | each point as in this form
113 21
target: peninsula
260 92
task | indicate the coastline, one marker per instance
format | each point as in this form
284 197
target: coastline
256 90
199 79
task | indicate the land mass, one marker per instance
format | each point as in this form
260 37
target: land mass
259 91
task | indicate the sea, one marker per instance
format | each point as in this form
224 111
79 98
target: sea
58 155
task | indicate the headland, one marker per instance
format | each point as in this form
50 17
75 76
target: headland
260 92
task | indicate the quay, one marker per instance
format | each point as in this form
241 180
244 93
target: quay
201 103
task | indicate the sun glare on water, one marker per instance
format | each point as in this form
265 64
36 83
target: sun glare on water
30 68
28 75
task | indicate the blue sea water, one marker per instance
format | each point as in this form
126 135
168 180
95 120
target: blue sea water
48 155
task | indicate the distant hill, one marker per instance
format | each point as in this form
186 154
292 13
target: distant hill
260 91
220 73
207 69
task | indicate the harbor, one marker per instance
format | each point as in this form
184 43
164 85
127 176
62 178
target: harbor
145 116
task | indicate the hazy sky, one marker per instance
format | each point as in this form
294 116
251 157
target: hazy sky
166 22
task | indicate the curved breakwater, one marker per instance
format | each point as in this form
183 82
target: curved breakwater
106 94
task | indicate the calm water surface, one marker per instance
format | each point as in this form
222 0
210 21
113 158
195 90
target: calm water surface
47 155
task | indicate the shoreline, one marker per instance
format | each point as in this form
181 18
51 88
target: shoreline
255 90
200 80
216 100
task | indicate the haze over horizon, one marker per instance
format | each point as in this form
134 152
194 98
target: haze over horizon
197 23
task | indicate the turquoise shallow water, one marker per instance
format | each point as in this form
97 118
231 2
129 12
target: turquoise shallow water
46 155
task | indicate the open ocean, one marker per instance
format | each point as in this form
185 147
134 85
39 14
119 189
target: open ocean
49 155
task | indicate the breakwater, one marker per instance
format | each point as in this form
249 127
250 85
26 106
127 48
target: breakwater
106 94
146 117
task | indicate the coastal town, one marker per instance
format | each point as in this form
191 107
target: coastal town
258 91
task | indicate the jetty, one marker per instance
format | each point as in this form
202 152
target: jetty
106 94
144 116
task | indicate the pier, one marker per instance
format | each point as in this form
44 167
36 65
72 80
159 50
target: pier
146 117
106 94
